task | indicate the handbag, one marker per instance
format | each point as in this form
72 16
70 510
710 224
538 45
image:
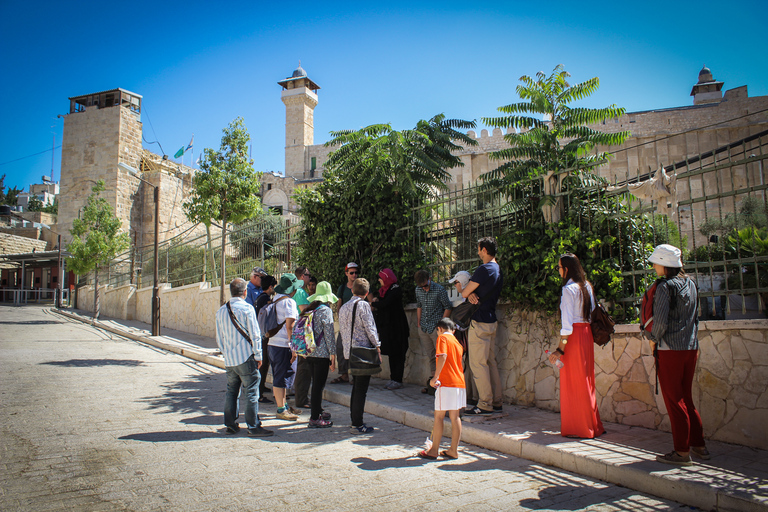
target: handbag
362 360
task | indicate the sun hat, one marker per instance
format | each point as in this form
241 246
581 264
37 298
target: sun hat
461 276
667 256
288 284
324 293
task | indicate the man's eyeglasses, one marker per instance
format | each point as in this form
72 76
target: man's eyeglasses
307 274
352 272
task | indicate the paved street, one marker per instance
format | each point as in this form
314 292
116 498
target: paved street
92 421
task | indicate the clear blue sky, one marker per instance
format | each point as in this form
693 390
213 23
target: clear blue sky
198 66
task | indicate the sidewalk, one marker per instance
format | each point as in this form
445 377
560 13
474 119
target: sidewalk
736 478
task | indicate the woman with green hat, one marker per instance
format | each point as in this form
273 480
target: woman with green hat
323 358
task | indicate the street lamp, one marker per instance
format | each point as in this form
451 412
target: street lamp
156 287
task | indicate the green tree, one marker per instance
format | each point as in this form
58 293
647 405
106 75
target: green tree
10 197
371 182
97 239
35 204
554 135
225 188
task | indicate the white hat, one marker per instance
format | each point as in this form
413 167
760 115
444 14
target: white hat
667 256
461 276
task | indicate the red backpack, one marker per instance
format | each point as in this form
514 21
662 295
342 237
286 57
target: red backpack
646 307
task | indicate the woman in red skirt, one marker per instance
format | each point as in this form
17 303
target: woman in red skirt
578 408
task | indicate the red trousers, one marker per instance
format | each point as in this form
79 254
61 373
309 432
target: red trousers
676 368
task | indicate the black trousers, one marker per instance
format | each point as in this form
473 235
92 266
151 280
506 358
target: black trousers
302 381
357 399
396 367
264 366
318 367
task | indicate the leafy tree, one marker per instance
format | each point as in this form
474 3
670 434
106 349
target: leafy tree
97 239
555 136
226 186
10 197
370 185
36 205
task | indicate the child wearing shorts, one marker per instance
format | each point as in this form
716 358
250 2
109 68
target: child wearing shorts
451 395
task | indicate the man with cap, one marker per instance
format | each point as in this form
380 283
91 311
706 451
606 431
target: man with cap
351 271
280 355
254 285
460 281
239 339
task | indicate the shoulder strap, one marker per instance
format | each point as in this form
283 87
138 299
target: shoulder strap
237 325
352 332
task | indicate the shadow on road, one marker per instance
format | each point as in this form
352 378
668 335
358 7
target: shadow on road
95 362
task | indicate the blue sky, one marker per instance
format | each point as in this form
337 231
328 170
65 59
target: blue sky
198 66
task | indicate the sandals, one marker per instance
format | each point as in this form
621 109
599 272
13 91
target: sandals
424 455
339 380
444 453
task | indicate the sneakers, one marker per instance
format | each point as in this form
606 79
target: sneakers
260 432
497 408
476 411
295 411
675 459
701 453
320 423
325 415
393 385
362 429
286 415
234 429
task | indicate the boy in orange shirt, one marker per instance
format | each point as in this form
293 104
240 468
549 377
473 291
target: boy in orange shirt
451 395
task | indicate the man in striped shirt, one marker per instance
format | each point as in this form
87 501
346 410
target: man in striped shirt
242 358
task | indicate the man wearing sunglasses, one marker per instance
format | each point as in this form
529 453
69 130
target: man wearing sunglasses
351 271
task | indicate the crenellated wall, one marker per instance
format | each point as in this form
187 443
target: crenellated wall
729 387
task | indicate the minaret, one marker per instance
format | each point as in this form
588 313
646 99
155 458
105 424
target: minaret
707 90
300 97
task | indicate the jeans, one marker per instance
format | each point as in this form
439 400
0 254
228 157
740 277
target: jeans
301 380
264 366
357 399
247 376
318 367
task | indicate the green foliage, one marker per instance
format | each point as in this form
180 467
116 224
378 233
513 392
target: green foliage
226 186
36 205
370 185
11 196
667 232
557 136
529 253
752 212
97 237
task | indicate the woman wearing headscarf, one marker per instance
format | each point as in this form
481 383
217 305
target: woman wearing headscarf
579 416
675 334
392 325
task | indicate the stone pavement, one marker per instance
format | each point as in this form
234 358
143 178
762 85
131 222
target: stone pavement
93 421
735 479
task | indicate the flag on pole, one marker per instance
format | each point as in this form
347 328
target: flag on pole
191 142
199 158
179 153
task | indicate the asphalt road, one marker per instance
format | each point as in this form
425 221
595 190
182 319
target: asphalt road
91 422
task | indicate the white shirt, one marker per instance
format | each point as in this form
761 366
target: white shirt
234 347
286 308
571 307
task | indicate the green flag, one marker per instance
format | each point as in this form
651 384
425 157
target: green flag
179 153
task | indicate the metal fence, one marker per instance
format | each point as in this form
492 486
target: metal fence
186 259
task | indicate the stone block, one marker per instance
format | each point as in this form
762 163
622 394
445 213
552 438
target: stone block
758 352
603 382
604 360
619 344
545 389
710 359
630 407
645 419
639 390
712 411
624 364
746 428
743 398
738 349
758 377
712 385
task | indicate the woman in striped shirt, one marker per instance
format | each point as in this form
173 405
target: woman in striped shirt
674 334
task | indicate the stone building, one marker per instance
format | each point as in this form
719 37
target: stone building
658 137
103 141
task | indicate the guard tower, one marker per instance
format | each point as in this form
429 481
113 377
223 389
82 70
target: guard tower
101 130
300 97
707 90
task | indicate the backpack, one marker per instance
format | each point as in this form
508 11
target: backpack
602 325
646 307
268 319
303 337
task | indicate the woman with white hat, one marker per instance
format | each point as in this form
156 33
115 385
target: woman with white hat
674 331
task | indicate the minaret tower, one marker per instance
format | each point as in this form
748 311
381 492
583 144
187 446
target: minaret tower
707 90
300 97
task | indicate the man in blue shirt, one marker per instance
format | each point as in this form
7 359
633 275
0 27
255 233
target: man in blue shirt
242 359
484 284
254 285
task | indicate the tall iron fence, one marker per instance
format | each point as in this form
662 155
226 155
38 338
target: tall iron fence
268 243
